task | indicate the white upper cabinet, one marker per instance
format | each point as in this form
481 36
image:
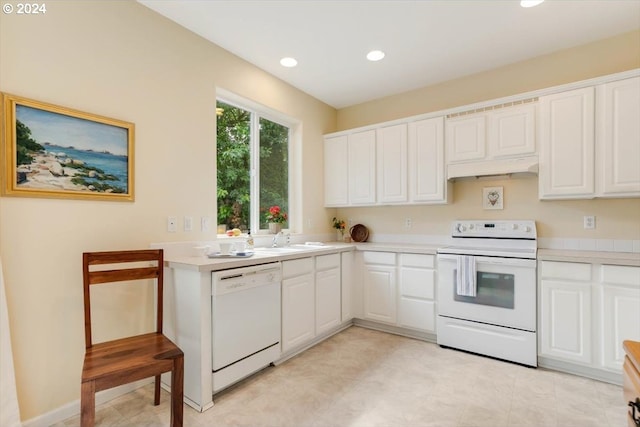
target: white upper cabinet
466 138
512 131
567 144
618 138
427 181
362 167
401 163
336 171
503 132
590 142
391 143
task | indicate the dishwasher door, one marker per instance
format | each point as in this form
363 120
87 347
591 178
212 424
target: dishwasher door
245 313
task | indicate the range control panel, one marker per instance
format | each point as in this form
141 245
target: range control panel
494 229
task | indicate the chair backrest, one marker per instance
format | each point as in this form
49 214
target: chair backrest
92 276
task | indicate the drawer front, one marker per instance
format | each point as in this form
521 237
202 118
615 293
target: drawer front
620 274
325 262
566 270
387 258
296 267
417 260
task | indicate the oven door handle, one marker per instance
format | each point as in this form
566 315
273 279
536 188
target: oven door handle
514 262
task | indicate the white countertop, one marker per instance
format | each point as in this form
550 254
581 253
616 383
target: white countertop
204 263
592 257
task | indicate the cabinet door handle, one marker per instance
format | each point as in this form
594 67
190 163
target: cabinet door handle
635 405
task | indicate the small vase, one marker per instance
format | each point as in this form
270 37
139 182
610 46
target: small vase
275 227
339 235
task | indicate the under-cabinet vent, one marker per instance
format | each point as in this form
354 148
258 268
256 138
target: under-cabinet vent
493 107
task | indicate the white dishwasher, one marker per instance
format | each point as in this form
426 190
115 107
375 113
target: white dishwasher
245 321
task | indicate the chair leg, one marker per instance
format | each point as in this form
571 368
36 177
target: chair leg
177 391
156 395
88 404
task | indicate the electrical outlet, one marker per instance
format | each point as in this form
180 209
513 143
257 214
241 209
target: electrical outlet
172 224
188 223
205 223
589 222
407 223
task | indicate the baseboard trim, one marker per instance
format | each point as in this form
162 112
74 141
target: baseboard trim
73 408
409 333
582 371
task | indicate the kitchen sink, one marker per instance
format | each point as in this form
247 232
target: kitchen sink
292 249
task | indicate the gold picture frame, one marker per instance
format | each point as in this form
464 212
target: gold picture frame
57 152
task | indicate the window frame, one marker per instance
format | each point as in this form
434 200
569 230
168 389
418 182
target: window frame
259 111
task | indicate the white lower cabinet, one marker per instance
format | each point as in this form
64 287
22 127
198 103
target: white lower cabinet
399 289
379 283
328 292
298 303
416 292
619 296
313 297
586 311
565 320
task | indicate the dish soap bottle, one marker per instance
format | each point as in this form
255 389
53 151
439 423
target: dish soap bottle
249 245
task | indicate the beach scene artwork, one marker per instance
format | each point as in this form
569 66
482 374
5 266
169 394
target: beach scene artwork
66 154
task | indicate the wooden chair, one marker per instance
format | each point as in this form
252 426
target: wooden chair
113 363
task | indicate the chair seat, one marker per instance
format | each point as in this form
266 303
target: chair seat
129 359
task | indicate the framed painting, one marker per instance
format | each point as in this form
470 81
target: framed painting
492 198
53 151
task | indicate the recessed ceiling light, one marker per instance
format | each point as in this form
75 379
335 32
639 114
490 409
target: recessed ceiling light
530 3
288 62
375 55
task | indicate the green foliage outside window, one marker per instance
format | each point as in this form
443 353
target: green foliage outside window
234 162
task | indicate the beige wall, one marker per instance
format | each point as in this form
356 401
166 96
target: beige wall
121 60
615 219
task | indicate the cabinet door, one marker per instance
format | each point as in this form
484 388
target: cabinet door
379 284
512 131
362 168
466 138
298 311
427 182
391 154
567 144
565 320
618 141
328 310
416 299
620 308
336 171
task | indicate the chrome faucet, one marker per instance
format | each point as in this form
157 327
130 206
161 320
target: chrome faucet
274 243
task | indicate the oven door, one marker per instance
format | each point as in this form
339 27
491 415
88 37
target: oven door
505 293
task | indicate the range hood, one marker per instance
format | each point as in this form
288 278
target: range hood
522 165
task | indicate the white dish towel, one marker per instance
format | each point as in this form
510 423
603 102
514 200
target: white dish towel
466 276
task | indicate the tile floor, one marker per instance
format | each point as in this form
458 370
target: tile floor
367 378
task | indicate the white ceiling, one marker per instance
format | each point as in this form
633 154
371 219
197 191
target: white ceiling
426 42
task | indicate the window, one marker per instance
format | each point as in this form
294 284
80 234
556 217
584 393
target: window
253 165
